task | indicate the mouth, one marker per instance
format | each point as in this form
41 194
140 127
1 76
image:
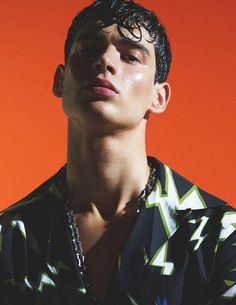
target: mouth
101 87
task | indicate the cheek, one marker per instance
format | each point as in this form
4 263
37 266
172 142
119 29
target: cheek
68 83
140 83
79 67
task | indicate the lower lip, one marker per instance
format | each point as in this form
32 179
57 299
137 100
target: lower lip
102 91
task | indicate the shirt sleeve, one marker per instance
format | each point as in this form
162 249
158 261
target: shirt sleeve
12 242
225 271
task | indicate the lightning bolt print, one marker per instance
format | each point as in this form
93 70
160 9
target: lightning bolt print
56 269
197 234
169 202
44 279
228 225
20 225
159 260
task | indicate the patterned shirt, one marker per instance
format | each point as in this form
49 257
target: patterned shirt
181 250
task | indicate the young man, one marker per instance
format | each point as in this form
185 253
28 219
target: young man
113 226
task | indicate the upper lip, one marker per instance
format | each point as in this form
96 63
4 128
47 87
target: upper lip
101 83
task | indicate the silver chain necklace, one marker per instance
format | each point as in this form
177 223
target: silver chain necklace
62 185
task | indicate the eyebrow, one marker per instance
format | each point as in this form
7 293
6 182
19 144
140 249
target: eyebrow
122 40
134 44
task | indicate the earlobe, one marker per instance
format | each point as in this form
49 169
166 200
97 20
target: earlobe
161 98
58 81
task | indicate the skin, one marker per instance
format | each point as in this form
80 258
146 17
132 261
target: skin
106 160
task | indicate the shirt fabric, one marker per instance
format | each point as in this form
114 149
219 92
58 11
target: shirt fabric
181 250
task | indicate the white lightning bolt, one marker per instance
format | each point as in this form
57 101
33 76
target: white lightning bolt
230 293
159 260
169 201
59 266
20 225
228 225
43 280
197 234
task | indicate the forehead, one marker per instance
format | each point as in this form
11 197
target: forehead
94 31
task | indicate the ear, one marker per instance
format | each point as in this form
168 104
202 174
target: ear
58 81
161 97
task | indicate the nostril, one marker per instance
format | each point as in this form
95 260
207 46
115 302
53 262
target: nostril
110 69
97 67
103 64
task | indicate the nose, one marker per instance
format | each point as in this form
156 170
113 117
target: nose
107 61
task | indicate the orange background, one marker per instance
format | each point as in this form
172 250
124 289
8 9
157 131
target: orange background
195 136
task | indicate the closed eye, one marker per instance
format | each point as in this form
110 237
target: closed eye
130 58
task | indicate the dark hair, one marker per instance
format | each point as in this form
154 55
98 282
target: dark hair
131 16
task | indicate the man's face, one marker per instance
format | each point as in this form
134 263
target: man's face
109 80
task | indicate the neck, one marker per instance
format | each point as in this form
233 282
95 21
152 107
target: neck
105 172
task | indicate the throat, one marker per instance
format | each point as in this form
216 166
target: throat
98 242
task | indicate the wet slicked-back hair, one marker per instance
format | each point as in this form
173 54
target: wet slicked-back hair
130 16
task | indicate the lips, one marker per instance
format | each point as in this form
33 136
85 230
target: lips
101 86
